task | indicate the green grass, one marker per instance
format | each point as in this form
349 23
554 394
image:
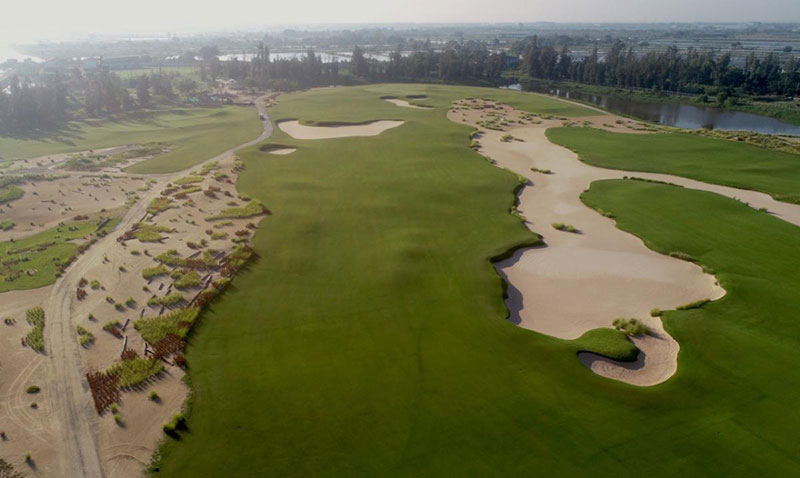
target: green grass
10 193
196 133
609 343
711 160
34 261
370 336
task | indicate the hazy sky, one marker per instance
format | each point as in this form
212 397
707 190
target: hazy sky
53 18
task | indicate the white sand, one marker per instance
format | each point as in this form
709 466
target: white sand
282 151
406 104
299 131
583 281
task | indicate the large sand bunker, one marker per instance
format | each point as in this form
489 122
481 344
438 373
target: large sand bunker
406 104
582 281
300 131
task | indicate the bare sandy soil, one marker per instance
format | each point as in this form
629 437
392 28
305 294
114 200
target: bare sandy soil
27 429
299 131
47 203
406 104
581 281
63 433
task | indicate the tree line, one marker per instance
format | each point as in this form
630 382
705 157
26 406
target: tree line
691 72
470 62
54 98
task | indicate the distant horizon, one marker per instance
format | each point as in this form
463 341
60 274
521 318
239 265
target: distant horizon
93 17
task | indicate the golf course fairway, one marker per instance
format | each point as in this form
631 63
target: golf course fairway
369 337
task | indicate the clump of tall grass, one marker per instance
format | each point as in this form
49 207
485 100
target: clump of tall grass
631 326
35 338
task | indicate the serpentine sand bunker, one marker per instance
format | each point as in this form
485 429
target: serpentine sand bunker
300 131
582 280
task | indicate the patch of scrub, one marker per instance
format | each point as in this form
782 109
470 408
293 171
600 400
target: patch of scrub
373 128
405 104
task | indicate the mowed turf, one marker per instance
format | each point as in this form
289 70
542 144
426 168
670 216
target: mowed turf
712 160
195 133
370 338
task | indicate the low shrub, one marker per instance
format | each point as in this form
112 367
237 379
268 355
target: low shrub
631 326
694 305
33 389
178 322
133 372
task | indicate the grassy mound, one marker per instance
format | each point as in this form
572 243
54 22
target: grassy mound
610 343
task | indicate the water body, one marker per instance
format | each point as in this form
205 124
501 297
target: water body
681 115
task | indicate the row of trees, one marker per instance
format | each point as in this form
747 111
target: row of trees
27 105
469 62
668 70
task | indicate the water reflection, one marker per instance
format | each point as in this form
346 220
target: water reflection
680 115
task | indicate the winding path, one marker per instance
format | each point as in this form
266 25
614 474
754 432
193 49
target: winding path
70 395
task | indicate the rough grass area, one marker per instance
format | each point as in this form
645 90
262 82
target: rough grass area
36 260
154 329
195 133
711 160
610 343
370 337
150 232
168 300
160 204
35 337
151 272
188 180
253 208
135 371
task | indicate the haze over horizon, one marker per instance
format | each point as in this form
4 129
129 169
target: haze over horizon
82 17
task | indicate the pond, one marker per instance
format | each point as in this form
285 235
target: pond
681 115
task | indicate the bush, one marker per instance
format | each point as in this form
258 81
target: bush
655 312
682 256
151 272
190 279
177 423
133 372
167 300
631 326
153 396
33 389
35 338
253 208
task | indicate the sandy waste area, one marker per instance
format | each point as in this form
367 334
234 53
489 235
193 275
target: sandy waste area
58 425
585 279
